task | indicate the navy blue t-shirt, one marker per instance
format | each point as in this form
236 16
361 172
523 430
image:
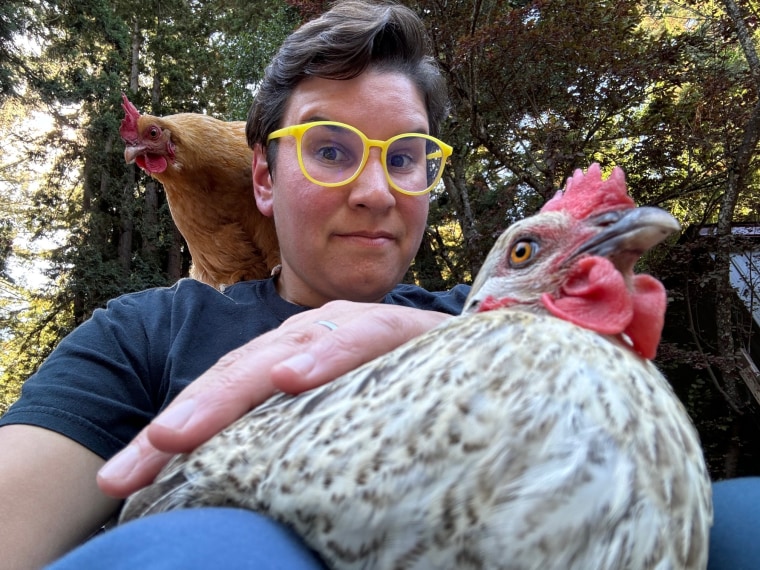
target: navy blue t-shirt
115 372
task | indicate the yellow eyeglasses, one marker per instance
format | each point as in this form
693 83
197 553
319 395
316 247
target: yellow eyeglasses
333 154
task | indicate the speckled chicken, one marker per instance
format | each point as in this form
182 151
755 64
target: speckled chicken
204 165
530 432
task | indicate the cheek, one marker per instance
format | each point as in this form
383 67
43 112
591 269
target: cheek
298 204
289 190
415 213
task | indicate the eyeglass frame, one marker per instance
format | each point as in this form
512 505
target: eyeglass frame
297 132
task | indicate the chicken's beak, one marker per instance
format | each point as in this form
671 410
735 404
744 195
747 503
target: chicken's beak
626 235
132 152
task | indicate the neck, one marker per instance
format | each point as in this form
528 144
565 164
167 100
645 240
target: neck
295 291
289 295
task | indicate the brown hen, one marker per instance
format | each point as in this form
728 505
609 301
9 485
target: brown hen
204 165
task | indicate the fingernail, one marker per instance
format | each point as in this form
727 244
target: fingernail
301 364
120 465
175 417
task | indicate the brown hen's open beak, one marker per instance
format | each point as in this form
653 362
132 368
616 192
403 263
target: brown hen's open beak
131 153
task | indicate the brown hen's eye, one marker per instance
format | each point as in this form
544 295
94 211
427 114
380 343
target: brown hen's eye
523 251
154 132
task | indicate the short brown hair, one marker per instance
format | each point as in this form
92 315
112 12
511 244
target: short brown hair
351 37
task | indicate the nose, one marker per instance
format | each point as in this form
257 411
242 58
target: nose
371 188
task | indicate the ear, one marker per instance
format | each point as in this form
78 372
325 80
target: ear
262 181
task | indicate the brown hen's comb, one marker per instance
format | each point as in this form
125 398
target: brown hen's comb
128 128
587 194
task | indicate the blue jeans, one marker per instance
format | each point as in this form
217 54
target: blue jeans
195 539
735 535
234 539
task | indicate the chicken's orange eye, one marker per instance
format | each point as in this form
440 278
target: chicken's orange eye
523 251
154 132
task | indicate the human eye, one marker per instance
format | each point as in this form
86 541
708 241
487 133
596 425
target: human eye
406 154
329 146
399 161
330 153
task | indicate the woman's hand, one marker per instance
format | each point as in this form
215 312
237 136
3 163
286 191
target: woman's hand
299 355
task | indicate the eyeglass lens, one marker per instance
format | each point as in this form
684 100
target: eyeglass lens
332 154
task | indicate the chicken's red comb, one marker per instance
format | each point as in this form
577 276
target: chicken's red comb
587 194
128 128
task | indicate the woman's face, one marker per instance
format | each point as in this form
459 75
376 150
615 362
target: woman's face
355 241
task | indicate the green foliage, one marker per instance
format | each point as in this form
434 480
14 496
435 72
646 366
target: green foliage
37 324
7 233
252 33
111 223
15 18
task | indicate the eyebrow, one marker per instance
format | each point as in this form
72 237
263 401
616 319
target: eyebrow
315 118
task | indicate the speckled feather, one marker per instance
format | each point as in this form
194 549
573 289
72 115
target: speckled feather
500 439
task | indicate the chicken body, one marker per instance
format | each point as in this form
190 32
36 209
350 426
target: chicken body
507 437
204 165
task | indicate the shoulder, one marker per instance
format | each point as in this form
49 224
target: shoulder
190 320
450 301
189 296
184 291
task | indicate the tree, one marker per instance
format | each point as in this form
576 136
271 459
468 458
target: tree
541 88
201 56
534 97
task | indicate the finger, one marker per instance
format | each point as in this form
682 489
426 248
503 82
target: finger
325 361
119 478
237 383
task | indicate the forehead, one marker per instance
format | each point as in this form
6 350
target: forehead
374 99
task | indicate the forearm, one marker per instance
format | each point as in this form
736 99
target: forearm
50 501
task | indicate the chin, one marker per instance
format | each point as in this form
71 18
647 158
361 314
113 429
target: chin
367 291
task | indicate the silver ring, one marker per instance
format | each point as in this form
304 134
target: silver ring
329 324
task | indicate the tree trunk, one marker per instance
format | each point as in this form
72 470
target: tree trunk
737 173
174 260
134 73
150 222
733 451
